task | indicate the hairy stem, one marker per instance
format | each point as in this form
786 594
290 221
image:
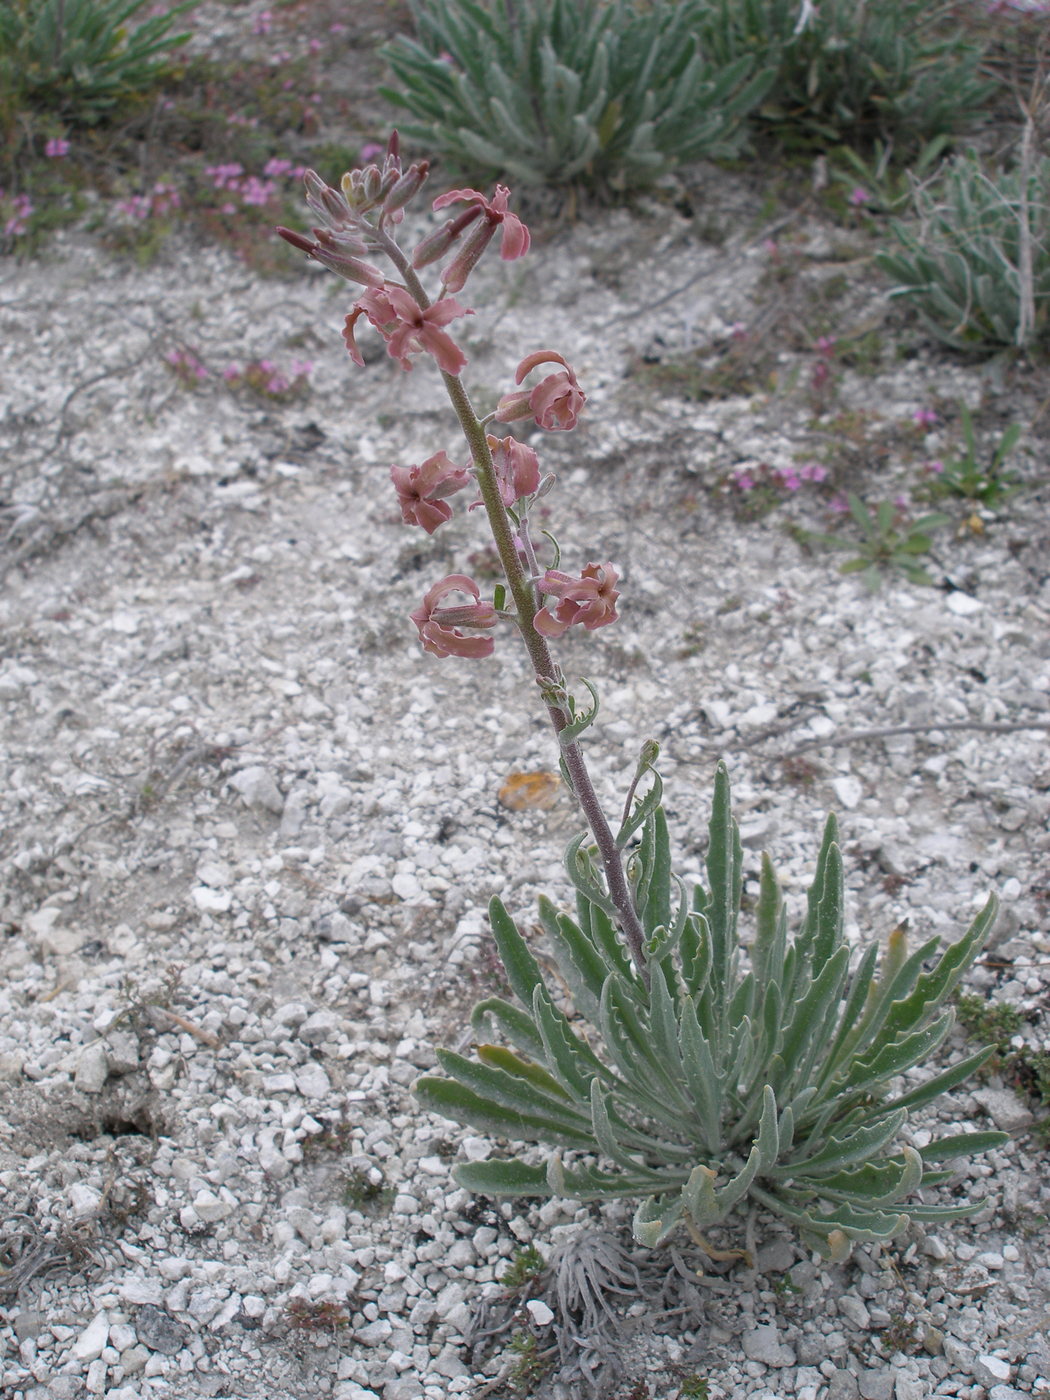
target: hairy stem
523 592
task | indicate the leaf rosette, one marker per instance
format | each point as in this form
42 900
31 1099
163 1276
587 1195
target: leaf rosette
721 1076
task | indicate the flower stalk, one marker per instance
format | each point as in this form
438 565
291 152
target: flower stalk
410 320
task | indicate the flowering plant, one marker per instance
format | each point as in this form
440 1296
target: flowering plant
709 1076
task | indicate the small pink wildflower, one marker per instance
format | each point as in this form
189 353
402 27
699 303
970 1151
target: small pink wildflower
859 197
263 23
225 177
933 468
257 192
370 150
813 471
135 207
20 207
555 402
407 328
925 417
743 480
789 479
825 345
164 198
839 504
230 373
438 627
517 468
589 599
56 148
901 501
422 491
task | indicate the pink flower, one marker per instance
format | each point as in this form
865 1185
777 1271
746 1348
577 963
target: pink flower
743 480
439 627
925 417
813 471
790 480
370 150
858 197
514 239
839 504
406 327
421 490
56 148
933 468
555 402
517 468
589 599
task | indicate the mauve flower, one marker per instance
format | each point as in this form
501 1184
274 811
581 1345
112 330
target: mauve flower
406 327
517 468
56 148
439 627
589 599
514 238
925 417
859 196
555 402
421 490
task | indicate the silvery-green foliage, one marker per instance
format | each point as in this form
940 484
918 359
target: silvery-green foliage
79 58
964 266
716 1075
552 92
900 70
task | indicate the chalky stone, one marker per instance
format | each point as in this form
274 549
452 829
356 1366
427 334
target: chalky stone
159 1331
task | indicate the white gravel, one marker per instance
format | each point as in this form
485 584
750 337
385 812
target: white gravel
249 829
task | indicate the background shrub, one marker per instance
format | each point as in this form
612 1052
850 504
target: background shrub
977 267
551 92
901 70
78 59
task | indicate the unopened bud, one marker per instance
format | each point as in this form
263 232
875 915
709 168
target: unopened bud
435 245
463 264
327 251
406 187
297 240
546 486
325 201
513 406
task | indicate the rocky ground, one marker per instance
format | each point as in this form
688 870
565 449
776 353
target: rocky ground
250 829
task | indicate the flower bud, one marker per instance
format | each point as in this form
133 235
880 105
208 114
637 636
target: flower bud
325 201
435 245
463 264
406 187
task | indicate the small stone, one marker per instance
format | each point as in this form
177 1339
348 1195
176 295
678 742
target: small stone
50 935
910 1388
91 1342
133 1360
934 1247
83 1199
278 1084
92 1069
991 1370
258 790
122 1052
962 604
210 901
843 1385
210 1207
1004 1108
312 1082
847 790
541 1314
374 1332
321 1026
27 1324
95 1380
159 1331
876 1385
1005 1392
764 1344
854 1310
